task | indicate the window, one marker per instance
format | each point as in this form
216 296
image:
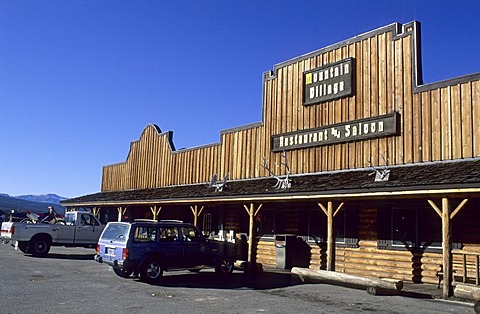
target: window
169 234
410 228
317 226
207 223
403 226
116 232
190 234
267 226
270 222
144 234
339 226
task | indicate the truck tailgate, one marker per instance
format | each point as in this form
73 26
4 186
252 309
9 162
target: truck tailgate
6 231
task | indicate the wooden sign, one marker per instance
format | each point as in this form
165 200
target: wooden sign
330 82
356 130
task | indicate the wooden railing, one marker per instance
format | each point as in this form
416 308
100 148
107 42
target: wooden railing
467 267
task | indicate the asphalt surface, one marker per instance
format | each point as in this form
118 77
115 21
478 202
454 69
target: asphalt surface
70 281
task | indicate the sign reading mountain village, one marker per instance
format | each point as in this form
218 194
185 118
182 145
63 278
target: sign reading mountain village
328 82
356 130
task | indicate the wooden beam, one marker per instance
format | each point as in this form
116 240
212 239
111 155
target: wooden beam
435 207
155 211
328 210
347 279
258 209
251 213
200 211
338 209
323 208
459 207
196 213
447 249
121 211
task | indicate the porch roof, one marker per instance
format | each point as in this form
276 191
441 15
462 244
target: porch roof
436 179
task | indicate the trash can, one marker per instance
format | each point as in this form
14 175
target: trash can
283 243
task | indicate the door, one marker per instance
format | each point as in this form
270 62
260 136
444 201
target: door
88 230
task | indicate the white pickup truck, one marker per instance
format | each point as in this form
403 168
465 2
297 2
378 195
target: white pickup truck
80 229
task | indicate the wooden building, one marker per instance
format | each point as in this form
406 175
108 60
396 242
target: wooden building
372 172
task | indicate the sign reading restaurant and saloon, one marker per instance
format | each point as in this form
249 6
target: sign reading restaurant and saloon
328 82
356 130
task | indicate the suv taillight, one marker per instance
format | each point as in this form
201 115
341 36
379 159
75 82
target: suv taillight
98 249
125 254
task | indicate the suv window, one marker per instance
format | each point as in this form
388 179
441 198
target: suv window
116 232
169 234
190 234
145 234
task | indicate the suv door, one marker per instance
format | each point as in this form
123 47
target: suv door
170 246
193 246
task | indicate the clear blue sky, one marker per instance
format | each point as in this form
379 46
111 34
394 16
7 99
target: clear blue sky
80 80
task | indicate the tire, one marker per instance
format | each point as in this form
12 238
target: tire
39 246
151 271
23 246
122 272
224 266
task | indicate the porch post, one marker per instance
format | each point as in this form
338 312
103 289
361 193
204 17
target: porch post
447 248
330 233
446 214
121 211
251 213
196 213
155 211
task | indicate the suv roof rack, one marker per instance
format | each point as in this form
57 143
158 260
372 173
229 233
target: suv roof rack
144 220
171 220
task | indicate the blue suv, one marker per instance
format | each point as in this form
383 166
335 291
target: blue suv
149 248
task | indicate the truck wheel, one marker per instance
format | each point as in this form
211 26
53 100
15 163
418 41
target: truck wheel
151 271
224 266
23 246
39 246
122 272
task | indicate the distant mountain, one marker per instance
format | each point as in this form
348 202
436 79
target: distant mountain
46 198
9 203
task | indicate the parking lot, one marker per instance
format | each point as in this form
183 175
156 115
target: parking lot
69 281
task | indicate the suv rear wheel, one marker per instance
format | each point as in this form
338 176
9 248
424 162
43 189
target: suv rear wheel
122 272
151 271
224 266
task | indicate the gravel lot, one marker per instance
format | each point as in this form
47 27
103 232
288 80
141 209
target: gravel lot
69 281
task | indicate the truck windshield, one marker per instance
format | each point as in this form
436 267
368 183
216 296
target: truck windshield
116 232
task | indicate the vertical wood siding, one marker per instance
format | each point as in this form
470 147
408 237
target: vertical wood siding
438 123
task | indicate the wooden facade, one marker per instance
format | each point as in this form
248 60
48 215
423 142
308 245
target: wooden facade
438 125
437 120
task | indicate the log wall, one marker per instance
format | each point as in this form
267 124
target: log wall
438 121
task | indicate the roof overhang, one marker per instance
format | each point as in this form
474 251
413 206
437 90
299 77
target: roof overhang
458 178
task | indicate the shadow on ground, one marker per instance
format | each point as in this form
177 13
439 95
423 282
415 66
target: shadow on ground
77 257
237 280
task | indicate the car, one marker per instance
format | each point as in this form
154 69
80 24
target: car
149 248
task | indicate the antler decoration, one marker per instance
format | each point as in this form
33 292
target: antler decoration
216 184
282 183
382 174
